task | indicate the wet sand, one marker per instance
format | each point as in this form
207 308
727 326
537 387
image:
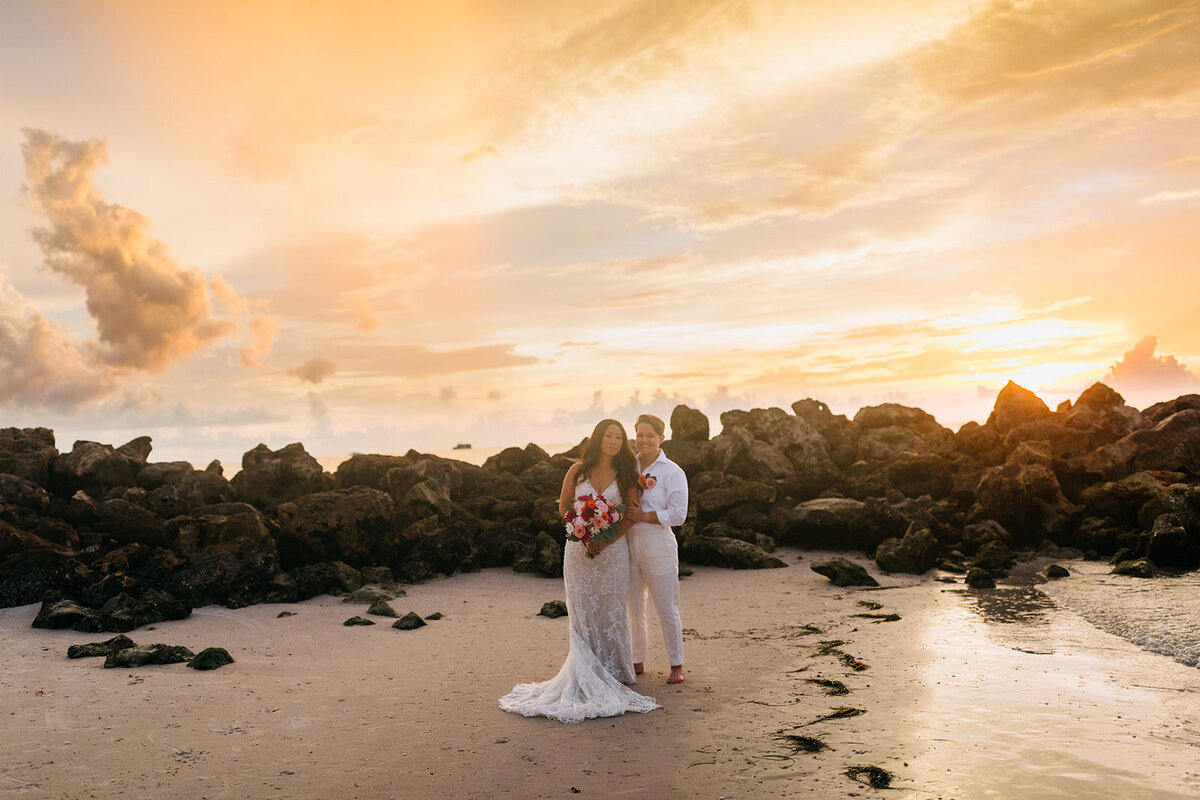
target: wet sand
968 695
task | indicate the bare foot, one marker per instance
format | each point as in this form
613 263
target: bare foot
638 669
676 675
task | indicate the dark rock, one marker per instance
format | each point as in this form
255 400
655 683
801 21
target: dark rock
1055 571
553 609
826 523
358 621
27 452
894 418
356 526
748 518
19 492
125 613
127 523
148 654
689 425
434 616
1120 500
1014 406
327 577
978 578
995 557
515 460
58 612
735 451
1172 444
843 572
1170 545
367 470
211 658
545 557
372 595
720 551
30 565
164 473
980 442
692 457
137 450
1159 411
915 474
90 466
379 575
978 534
234 573
1024 496
1137 568
409 621
271 477
914 554
105 648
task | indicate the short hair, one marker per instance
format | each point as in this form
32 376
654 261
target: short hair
659 426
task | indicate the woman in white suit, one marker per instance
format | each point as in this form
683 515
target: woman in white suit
653 551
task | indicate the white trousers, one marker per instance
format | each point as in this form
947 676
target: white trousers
654 569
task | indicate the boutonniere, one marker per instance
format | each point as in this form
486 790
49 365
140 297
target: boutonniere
647 481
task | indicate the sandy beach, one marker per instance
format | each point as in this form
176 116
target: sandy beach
967 695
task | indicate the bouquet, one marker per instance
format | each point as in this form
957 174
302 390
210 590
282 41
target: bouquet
592 519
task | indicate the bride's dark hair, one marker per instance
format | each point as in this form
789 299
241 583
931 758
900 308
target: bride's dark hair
623 461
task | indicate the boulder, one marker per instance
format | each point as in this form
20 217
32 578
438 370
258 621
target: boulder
1056 571
409 621
692 457
367 470
835 429
127 523
831 523
934 438
721 551
380 608
356 526
915 553
124 612
995 557
271 477
333 578
1121 500
30 565
1016 405
515 460
1136 568
372 595
1172 444
914 474
980 442
544 556
96 649
735 451
1159 411
137 450
712 503
843 572
1171 545
17 492
689 425
211 658
147 654
437 546
353 621
978 578
92 467
164 473
978 534
28 452
1024 496
59 612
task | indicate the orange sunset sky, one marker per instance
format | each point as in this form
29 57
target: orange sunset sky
376 226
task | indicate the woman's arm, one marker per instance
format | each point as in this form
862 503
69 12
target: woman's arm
566 498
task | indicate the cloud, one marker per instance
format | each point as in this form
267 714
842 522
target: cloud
1170 195
479 154
148 310
228 296
1140 369
42 366
367 322
260 337
314 370
411 361
447 394
322 424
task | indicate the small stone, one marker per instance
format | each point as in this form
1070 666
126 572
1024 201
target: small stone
435 615
100 648
1137 568
283 614
686 573
1055 571
371 594
978 578
147 654
554 609
358 621
381 609
211 658
843 572
409 621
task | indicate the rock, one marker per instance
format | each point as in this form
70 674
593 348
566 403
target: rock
356 526
1055 571
1172 444
238 569
58 612
334 578
1171 546
127 523
995 557
367 470
147 654
358 621
28 453
125 612
914 474
1153 414
692 457
720 551
833 523
553 609
1014 406
372 594
1024 496
545 557
914 554
409 621
1137 568
978 578
1120 500
434 616
515 460
271 477
22 493
689 425
105 648
90 466
977 534
164 473
843 572
379 575
735 451
980 442
137 450
380 608
933 437
211 658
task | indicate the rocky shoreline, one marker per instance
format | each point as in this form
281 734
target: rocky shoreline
108 540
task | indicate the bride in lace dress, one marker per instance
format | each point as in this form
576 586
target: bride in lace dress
591 682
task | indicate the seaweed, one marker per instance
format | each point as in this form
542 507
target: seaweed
876 777
870 605
853 663
807 630
802 744
880 617
828 648
841 712
832 688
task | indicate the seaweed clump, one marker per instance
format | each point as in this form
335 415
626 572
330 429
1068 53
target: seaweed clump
876 777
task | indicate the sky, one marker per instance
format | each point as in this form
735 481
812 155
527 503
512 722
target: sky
375 226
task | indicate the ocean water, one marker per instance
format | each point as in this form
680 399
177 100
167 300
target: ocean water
472 455
1161 614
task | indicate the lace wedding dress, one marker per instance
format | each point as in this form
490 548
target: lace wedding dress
591 681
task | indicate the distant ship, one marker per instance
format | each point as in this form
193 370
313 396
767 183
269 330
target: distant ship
463 446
